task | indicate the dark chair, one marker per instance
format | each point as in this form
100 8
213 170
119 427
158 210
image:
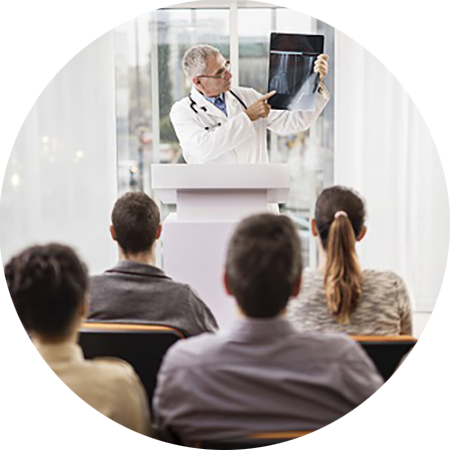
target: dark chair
143 346
386 352
253 440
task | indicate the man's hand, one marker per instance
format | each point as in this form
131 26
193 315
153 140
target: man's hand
321 66
260 108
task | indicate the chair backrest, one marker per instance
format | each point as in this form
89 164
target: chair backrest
142 346
387 352
253 440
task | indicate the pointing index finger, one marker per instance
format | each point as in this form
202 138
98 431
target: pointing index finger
268 95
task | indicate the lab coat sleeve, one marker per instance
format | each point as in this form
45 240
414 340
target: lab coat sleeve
287 122
206 145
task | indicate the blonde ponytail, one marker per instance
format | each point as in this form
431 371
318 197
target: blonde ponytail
343 274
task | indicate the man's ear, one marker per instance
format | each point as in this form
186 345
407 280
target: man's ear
158 231
226 283
113 234
297 287
197 81
314 227
362 234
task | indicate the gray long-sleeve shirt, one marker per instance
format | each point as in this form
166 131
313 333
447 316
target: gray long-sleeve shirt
139 293
262 376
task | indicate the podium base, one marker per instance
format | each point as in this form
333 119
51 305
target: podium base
194 252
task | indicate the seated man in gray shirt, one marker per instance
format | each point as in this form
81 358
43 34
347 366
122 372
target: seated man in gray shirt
262 375
135 291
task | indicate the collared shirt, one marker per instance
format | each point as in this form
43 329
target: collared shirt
109 385
219 102
260 376
134 292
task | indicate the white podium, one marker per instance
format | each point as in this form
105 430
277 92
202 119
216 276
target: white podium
211 200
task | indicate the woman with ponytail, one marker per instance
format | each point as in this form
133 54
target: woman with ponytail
339 296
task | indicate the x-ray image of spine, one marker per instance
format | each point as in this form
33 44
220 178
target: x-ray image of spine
279 81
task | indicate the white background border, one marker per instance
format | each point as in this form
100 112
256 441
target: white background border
409 37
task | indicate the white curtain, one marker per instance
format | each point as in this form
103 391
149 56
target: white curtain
60 183
385 151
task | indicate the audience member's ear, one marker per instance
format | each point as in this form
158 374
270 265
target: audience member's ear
314 227
83 308
158 231
297 287
362 234
113 234
226 283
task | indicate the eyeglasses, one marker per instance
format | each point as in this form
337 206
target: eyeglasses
221 72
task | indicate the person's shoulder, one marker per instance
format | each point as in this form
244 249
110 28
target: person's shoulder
327 345
324 338
97 278
179 106
98 283
381 279
192 351
112 369
184 291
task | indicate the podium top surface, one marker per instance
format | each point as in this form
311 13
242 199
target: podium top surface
219 176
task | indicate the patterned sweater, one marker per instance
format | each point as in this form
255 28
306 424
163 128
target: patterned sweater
384 307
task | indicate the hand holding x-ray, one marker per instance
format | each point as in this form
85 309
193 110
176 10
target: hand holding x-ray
321 66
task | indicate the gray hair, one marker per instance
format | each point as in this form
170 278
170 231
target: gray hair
194 60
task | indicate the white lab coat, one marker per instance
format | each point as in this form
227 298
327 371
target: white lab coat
237 140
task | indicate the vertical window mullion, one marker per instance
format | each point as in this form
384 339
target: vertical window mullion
234 42
155 87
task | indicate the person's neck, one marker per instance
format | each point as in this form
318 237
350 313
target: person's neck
322 259
71 337
143 258
242 316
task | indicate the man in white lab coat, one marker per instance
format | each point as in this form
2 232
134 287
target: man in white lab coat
219 124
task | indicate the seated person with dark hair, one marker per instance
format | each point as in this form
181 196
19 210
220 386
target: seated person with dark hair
48 285
262 375
135 291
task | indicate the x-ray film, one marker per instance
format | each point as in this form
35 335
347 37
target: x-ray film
291 70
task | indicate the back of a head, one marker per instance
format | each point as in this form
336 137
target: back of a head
264 264
194 60
135 218
47 284
340 215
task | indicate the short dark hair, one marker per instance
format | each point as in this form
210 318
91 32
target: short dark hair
264 264
47 284
135 218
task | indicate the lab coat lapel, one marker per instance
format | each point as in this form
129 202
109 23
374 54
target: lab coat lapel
202 102
233 105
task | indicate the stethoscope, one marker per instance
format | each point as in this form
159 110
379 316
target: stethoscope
204 110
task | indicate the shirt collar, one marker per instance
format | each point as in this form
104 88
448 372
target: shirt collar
137 268
213 99
251 329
